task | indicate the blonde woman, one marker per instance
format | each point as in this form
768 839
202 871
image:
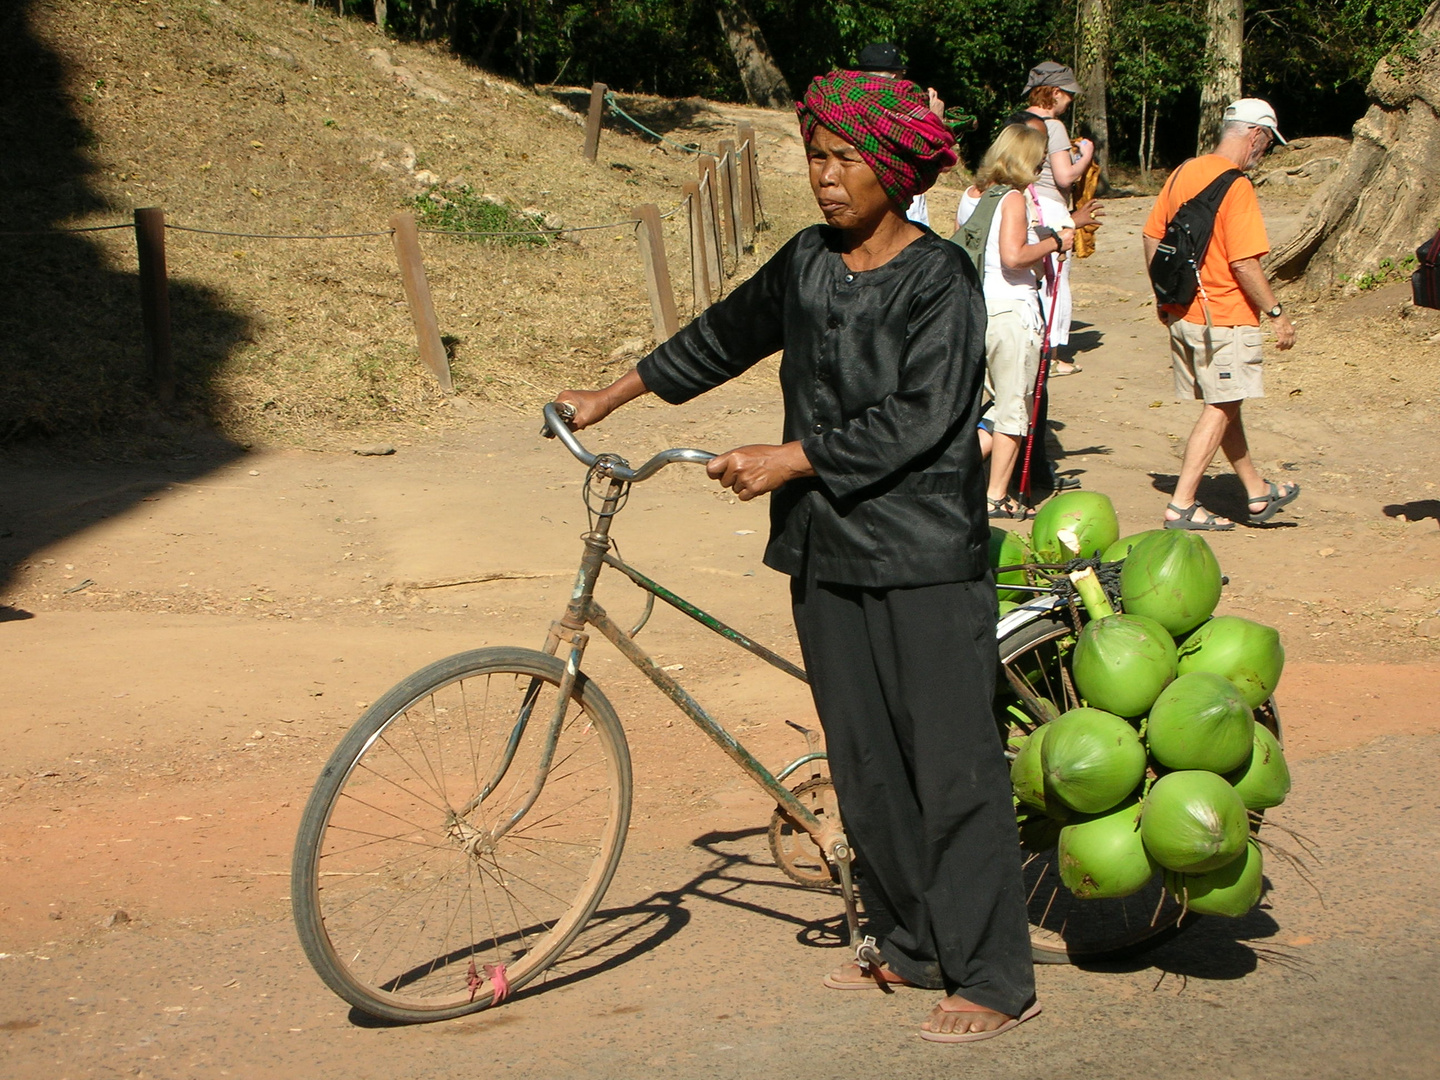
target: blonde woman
1014 247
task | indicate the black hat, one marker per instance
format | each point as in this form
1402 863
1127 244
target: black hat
881 56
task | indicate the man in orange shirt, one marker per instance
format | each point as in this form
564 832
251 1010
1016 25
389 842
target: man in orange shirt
1215 342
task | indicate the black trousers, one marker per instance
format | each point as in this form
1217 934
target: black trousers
903 680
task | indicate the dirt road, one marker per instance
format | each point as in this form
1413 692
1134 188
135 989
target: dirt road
164 722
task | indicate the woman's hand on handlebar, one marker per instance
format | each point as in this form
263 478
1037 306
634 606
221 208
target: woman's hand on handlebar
592 406
754 470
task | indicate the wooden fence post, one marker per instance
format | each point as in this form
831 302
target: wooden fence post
592 121
710 219
747 187
730 195
417 294
747 135
699 268
155 300
651 239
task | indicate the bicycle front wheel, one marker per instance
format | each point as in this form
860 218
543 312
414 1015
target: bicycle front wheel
412 898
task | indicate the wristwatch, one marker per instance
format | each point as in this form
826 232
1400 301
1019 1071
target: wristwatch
1274 312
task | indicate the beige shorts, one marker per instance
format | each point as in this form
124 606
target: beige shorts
1229 370
1012 360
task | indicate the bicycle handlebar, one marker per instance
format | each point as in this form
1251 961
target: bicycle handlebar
557 428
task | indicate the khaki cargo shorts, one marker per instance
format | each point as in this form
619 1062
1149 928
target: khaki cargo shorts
1230 370
1012 361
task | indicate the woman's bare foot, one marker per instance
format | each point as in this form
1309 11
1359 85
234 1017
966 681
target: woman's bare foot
957 1020
851 976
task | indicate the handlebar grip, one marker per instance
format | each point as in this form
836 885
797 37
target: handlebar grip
556 415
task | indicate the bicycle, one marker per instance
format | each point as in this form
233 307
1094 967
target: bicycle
465 829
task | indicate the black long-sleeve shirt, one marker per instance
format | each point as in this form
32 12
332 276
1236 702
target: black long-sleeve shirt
881 376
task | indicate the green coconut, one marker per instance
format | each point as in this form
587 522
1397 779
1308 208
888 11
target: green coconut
1121 663
1091 760
1231 890
1027 774
1103 857
1263 780
1009 549
1088 515
1200 721
1193 822
1247 653
1120 549
1039 832
1172 577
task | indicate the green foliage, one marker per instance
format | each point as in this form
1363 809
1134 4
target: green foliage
462 210
1309 53
1386 271
1311 58
1146 64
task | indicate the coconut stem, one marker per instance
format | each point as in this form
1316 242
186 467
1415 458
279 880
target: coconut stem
1092 594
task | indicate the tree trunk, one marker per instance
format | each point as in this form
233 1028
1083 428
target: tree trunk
1220 85
1382 202
759 74
1092 70
382 14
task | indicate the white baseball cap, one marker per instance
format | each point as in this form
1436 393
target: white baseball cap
1256 111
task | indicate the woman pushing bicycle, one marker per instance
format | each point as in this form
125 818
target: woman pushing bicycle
878 517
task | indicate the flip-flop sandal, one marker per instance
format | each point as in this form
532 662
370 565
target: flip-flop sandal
1273 501
1057 371
976 1036
864 982
1188 520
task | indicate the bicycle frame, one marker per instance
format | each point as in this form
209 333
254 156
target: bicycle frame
583 610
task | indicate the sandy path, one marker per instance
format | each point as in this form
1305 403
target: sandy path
163 726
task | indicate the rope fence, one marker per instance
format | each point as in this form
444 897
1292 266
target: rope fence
615 107
722 208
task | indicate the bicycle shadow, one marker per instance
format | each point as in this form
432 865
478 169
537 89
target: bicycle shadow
1224 495
615 936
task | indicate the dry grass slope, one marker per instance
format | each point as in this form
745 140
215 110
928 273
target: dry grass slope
264 117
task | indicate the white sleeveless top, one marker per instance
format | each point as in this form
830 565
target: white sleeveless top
1002 283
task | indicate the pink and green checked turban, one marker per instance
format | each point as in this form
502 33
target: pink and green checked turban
888 121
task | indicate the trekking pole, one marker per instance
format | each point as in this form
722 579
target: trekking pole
1040 377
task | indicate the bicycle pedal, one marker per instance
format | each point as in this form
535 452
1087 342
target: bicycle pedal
867 954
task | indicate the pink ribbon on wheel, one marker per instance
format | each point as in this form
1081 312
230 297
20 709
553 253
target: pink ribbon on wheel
496 974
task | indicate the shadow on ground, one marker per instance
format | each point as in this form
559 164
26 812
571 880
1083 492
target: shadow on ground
1417 510
736 878
1223 495
73 373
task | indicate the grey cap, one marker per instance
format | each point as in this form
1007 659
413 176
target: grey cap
881 56
1052 74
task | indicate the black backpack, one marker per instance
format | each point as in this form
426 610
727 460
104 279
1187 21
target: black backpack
1175 270
1425 282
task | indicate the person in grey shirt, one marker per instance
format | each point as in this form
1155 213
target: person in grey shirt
1050 89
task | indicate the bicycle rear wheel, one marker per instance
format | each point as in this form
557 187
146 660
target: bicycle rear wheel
1034 684
408 904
